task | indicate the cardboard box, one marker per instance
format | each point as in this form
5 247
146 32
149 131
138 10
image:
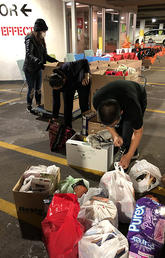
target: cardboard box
81 155
30 206
95 126
137 64
100 80
47 91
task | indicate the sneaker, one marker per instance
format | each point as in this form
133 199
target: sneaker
29 108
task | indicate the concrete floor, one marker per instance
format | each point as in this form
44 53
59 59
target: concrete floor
19 128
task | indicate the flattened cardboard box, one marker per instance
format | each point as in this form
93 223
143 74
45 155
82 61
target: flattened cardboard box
81 155
47 91
30 206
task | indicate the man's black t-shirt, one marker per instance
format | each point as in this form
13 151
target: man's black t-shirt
131 97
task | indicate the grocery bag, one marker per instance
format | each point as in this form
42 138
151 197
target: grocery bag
119 188
103 240
97 209
61 229
144 176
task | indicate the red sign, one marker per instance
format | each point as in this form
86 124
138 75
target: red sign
15 31
80 23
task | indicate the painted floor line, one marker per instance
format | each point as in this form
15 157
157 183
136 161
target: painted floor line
8 101
158 67
157 70
8 208
155 111
155 83
45 156
33 153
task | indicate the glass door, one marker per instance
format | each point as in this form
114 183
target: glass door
111 30
97 38
82 27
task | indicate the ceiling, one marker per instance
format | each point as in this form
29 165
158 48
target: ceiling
147 9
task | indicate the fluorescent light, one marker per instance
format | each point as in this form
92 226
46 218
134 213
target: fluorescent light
109 10
69 4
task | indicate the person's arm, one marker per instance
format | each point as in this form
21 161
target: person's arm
117 140
51 59
135 141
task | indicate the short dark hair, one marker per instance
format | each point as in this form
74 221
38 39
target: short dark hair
109 111
56 79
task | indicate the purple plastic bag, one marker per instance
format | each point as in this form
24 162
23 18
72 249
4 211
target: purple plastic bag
147 229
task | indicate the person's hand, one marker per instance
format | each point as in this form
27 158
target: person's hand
118 141
125 161
85 81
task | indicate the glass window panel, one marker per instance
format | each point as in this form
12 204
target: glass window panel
97 28
83 27
68 27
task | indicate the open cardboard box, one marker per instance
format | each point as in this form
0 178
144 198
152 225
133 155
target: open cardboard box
80 155
30 206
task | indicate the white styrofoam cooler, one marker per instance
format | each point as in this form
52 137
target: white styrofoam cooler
81 155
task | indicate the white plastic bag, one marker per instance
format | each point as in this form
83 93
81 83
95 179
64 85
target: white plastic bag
92 191
119 188
144 176
96 210
103 240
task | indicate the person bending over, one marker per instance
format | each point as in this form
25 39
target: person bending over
121 106
68 78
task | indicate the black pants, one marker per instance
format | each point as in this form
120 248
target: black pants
34 81
125 129
68 96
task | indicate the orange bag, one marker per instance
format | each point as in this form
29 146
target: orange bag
61 229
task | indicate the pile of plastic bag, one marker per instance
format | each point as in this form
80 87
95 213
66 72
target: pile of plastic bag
83 221
122 70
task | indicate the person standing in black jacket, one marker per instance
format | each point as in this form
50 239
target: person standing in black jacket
68 78
36 57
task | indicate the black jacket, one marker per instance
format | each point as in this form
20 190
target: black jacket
36 55
75 72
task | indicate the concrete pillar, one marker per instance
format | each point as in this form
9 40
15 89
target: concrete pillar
161 26
141 32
